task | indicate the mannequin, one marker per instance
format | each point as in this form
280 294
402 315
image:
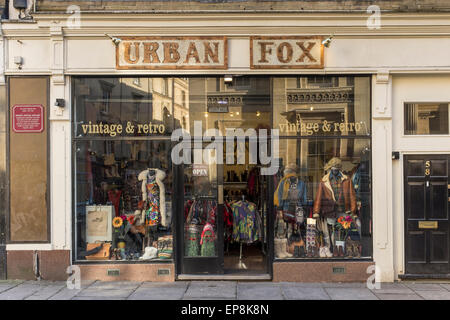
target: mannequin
335 197
289 198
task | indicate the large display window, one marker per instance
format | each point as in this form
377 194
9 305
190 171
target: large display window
132 199
323 187
123 170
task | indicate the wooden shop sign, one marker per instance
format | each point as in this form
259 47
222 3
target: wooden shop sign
290 52
172 53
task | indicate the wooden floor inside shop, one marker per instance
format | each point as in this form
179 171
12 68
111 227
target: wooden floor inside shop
253 260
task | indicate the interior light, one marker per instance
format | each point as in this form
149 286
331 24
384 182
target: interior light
258 113
228 78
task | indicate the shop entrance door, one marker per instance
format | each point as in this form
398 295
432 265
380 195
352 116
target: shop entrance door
200 222
427 199
223 221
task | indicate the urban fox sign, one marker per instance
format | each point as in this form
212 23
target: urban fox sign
290 52
172 53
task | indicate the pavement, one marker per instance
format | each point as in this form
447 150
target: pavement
221 290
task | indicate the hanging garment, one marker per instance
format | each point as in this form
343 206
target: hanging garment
114 197
291 192
208 241
153 212
192 240
154 192
202 211
327 203
246 222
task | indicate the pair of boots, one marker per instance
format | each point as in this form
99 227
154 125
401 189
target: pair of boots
338 251
324 252
353 249
281 249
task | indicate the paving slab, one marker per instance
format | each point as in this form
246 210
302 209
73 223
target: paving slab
350 294
301 284
67 294
6 285
118 293
360 285
445 286
424 286
177 284
98 298
158 293
47 291
19 292
391 296
302 293
393 288
259 291
108 285
211 290
434 294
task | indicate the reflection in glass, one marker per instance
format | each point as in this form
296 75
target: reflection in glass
323 198
123 200
426 118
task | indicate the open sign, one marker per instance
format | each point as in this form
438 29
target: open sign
200 170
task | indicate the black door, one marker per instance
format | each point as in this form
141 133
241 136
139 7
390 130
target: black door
427 242
200 217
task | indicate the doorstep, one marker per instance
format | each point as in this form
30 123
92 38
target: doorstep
424 276
229 277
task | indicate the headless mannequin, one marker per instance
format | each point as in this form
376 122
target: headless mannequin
330 222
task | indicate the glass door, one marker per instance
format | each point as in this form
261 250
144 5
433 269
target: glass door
202 219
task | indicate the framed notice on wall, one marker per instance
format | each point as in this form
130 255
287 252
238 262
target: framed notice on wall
28 118
99 223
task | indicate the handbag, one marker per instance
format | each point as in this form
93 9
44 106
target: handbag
98 251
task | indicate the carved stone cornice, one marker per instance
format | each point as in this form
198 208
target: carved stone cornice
230 100
320 95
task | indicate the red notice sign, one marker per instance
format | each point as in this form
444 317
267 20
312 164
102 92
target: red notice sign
28 118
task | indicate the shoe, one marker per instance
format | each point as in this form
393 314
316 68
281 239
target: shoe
278 251
316 252
309 253
284 248
341 251
302 251
349 251
357 251
297 251
327 251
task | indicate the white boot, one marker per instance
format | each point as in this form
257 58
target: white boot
284 248
278 249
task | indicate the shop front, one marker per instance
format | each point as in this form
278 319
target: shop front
174 170
173 152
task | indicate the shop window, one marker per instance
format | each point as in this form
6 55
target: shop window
326 106
115 107
124 170
323 199
323 190
123 200
426 118
122 181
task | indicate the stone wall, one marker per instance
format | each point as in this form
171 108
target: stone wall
248 6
